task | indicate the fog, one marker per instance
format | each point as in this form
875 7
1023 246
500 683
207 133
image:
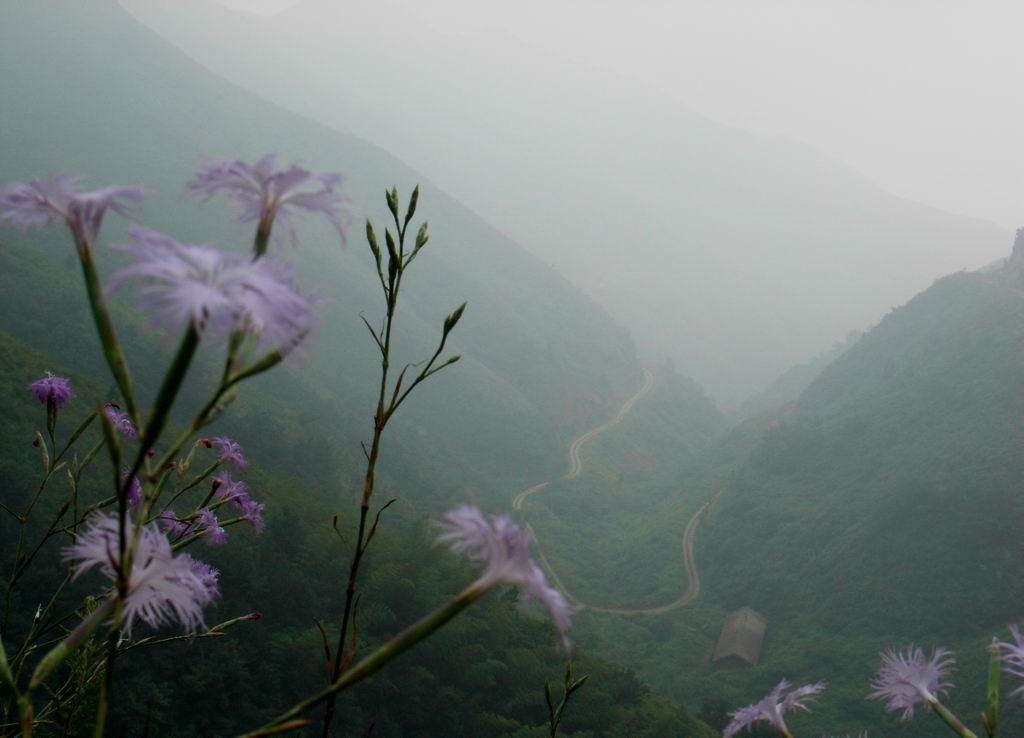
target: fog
714 179
916 95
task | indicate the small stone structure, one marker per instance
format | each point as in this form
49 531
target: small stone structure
740 642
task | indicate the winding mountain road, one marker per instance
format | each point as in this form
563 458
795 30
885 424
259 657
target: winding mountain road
517 502
575 469
575 464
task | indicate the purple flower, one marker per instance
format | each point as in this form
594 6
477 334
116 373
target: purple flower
121 422
162 587
175 528
134 489
207 575
230 451
229 490
1013 657
235 492
772 708
52 389
504 550
268 196
210 529
217 291
252 513
909 679
40 202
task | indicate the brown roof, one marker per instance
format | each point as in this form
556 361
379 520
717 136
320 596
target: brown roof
742 636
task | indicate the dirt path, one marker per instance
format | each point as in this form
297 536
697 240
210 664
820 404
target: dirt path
517 502
575 469
575 464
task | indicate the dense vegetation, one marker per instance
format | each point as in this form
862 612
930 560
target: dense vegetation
880 508
483 676
884 507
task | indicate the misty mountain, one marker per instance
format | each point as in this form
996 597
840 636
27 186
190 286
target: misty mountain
118 104
787 388
884 506
735 255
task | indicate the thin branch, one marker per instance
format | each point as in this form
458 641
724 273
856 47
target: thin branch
376 338
376 521
327 647
351 652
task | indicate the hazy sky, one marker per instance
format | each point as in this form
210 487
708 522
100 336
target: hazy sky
922 96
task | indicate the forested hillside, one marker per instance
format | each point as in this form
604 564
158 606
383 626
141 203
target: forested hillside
482 676
526 381
885 507
539 362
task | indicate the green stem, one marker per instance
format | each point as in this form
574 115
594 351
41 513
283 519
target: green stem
5 671
216 631
262 239
380 420
990 718
569 687
105 326
74 437
169 388
383 655
62 650
154 427
20 563
197 423
90 456
99 727
42 624
191 485
70 529
952 720
50 532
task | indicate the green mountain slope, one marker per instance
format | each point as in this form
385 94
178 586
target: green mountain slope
115 102
886 506
788 386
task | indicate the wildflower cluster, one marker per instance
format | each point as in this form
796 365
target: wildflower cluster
906 679
170 492
253 310
225 502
